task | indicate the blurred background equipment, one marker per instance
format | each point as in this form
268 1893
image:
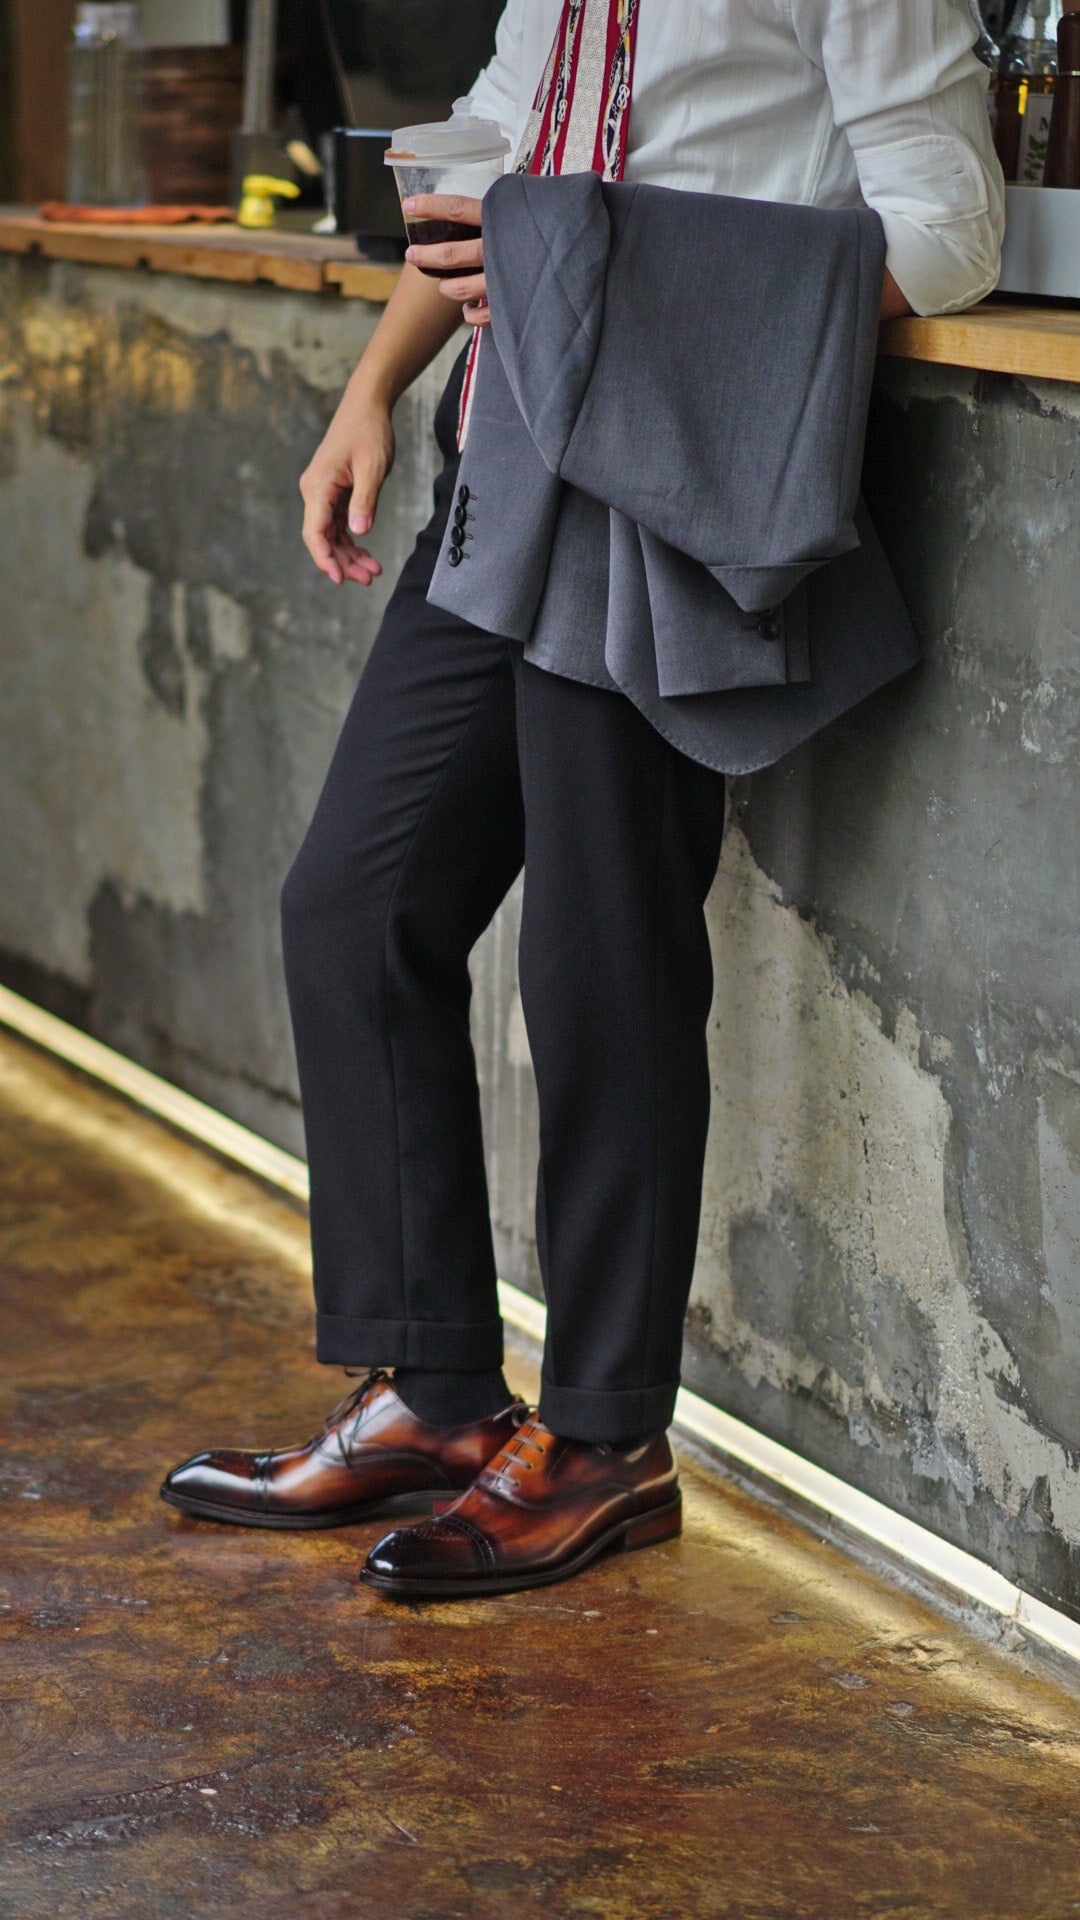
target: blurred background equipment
365 64
258 146
1035 103
105 161
361 192
185 23
1025 88
1063 144
1020 41
191 105
997 16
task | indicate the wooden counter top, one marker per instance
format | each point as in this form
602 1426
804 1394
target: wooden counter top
304 262
997 336
1041 342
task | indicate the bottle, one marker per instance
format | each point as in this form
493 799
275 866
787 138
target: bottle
987 50
1008 120
1039 54
1017 39
1032 21
104 158
1063 149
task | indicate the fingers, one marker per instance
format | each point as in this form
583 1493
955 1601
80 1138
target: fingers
470 293
453 258
352 561
470 290
357 564
445 206
328 540
362 505
319 495
343 560
448 256
317 540
367 481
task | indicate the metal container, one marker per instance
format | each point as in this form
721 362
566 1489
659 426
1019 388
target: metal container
1041 254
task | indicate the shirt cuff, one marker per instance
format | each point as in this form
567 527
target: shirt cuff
939 271
943 218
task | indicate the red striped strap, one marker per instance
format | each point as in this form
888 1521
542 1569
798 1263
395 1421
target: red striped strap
580 119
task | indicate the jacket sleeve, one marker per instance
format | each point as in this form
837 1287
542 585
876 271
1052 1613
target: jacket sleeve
910 95
494 95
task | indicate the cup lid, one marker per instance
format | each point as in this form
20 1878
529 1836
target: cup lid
459 139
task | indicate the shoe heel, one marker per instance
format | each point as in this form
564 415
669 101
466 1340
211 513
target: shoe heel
664 1524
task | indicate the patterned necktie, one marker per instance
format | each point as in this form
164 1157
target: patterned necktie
580 119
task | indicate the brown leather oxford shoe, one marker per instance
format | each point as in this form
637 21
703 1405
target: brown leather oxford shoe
541 1510
372 1457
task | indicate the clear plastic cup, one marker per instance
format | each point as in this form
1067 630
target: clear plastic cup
459 156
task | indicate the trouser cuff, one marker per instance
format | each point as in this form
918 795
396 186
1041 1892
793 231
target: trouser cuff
582 1413
437 1345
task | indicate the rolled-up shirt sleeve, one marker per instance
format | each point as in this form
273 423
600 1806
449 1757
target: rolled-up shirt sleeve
910 95
494 96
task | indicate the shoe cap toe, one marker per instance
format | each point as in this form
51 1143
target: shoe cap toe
189 1474
210 1473
442 1549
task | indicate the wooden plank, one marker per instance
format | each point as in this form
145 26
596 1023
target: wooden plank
15 237
93 246
242 267
299 262
362 279
296 275
1041 343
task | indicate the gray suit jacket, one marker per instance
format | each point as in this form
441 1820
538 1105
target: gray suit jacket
664 456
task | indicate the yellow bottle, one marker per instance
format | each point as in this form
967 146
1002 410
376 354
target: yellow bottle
260 190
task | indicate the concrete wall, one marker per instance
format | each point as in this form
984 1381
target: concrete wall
889 1275
174 669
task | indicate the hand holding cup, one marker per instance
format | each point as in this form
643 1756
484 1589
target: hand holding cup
443 169
446 243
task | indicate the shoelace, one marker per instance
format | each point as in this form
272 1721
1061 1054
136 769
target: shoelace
352 1403
510 1454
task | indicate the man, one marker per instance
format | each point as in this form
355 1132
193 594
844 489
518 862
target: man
463 761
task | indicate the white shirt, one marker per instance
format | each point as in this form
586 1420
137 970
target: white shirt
825 103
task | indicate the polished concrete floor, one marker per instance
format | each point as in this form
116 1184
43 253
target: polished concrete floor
198 1722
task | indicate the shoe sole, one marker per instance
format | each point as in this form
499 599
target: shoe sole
417 1504
643 1530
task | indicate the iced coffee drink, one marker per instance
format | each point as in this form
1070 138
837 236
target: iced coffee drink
459 156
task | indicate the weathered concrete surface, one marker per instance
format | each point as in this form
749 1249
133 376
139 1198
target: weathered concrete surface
889 1274
174 669
214 1724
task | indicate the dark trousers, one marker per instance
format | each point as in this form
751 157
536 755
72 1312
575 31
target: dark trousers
459 764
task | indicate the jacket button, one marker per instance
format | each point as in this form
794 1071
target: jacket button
769 629
463 496
455 556
460 518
